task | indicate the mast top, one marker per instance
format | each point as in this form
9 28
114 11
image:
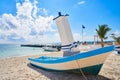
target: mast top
59 14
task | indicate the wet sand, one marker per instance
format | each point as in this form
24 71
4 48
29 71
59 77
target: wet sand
18 68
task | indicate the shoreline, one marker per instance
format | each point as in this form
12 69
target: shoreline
18 68
23 55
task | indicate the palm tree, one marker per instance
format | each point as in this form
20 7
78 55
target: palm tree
102 31
117 39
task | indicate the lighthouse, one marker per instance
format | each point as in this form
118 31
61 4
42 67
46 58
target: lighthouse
64 30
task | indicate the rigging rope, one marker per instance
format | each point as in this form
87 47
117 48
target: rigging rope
80 69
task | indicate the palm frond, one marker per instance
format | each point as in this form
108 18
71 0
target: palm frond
102 31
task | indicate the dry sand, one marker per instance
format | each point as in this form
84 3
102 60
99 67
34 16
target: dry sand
18 68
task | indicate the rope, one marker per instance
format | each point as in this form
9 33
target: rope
80 69
70 46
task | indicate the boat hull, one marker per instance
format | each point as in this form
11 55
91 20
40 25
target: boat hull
94 70
89 62
50 49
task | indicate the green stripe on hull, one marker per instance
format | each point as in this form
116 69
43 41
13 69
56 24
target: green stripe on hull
87 70
92 69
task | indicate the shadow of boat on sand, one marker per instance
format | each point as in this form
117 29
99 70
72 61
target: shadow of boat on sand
54 75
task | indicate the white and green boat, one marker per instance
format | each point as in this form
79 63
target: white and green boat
89 62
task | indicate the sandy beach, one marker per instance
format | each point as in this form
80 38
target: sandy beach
18 68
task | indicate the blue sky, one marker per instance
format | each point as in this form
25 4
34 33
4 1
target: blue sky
30 21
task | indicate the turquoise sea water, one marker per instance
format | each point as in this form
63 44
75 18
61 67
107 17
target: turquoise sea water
12 50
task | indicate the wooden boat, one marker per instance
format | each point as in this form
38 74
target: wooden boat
50 49
117 48
89 62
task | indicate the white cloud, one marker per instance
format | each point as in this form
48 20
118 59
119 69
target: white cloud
42 11
78 37
35 9
117 32
26 22
81 2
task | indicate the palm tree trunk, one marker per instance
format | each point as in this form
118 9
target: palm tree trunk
102 43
